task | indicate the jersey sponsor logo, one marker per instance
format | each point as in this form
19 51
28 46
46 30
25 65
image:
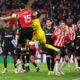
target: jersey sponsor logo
8 35
48 33
78 36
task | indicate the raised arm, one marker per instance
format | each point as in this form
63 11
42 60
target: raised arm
8 17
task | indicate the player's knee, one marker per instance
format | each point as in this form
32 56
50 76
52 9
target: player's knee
57 59
66 61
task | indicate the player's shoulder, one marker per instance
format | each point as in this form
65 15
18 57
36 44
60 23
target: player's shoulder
56 28
28 10
14 15
36 20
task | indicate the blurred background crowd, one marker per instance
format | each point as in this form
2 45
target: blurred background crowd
57 10
7 5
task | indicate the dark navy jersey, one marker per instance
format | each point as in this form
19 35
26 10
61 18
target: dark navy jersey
78 37
48 33
1 32
7 37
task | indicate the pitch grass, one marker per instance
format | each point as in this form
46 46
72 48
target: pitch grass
42 75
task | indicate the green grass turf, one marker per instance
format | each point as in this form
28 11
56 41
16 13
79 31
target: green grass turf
42 75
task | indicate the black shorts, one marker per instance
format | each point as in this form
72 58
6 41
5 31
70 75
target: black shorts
32 52
25 33
77 53
69 48
50 52
8 49
63 51
18 52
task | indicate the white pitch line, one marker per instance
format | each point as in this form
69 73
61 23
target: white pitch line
76 79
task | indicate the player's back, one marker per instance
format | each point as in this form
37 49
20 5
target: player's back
25 18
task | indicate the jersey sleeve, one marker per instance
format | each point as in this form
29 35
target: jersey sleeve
54 33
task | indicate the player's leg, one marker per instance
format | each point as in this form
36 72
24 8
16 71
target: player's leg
5 64
48 57
43 41
78 60
21 44
13 54
32 59
78 63
5 60
51 47
52 64
25 60
52 61
57 62
68 53
28 34
27 57
66 60
15 60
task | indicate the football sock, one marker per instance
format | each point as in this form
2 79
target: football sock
5 62
62 65
48 63
78 63
34 64
57 67
52 64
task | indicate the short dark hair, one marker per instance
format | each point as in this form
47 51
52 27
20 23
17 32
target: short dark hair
22 6
39 14
49 19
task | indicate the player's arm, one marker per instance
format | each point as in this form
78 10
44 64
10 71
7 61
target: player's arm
8 17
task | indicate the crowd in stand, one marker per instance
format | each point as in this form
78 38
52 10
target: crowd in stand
7 5
62 10
59 10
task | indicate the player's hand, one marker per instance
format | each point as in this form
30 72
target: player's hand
1 18
72 44
77 47
9 53
58 51
14 42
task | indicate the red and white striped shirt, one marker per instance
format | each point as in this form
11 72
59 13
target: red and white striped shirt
71 32
59 36
74 27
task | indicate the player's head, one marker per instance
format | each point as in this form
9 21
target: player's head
78 24
62 25
49 22
22 6
36 14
